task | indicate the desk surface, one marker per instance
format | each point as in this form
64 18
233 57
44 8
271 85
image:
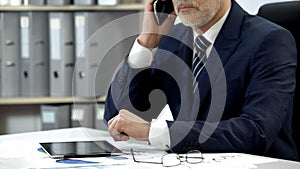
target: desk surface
20 151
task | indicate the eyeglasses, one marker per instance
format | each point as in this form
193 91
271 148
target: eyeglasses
174 159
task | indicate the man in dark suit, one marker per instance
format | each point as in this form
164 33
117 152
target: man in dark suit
239 101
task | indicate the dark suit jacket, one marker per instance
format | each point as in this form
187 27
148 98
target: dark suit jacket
246 90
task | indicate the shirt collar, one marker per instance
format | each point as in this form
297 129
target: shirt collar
212 33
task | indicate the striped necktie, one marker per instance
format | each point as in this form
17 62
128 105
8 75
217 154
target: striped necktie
200 58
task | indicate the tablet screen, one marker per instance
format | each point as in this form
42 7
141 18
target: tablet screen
80 149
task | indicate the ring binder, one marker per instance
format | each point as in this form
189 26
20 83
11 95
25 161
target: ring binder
10 53
34 52
9 42
61 53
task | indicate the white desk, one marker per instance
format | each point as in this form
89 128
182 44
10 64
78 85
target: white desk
20 151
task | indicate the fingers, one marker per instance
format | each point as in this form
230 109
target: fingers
112 126
115 128
123 137
127 124
111 120
149 6
171 19
131 117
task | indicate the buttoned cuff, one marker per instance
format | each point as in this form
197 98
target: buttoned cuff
159 135
139 56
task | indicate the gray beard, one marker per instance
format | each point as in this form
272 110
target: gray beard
201 21
197 24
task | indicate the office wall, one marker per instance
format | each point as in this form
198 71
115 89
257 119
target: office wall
252 6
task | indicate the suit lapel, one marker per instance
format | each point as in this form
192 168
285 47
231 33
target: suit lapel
225 45
185 48
229 36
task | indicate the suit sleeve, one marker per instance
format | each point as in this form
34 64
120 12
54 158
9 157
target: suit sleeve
128 90
266 110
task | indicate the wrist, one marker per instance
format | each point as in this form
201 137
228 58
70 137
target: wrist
147 130
149 40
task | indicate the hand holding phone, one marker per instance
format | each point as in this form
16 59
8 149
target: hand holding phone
156 13
161 9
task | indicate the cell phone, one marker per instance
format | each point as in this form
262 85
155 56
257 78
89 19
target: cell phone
161 10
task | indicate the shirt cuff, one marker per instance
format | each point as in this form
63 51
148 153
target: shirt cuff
159 135
139 56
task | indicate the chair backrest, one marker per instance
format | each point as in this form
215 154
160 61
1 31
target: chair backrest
287 15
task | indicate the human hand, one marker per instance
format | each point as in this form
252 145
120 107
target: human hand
127 124
152 32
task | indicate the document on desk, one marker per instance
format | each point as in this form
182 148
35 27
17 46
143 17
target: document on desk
232 161
26 155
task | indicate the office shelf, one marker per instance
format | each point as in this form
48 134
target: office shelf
120 7
22 114
48 100
64 8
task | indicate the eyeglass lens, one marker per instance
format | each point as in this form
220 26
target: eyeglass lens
170 160
173 159
194 156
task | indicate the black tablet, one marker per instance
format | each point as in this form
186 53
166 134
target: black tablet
80 149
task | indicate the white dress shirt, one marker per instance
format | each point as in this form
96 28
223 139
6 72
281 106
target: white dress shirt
140 57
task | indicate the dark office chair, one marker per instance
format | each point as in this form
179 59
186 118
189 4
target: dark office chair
287 15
